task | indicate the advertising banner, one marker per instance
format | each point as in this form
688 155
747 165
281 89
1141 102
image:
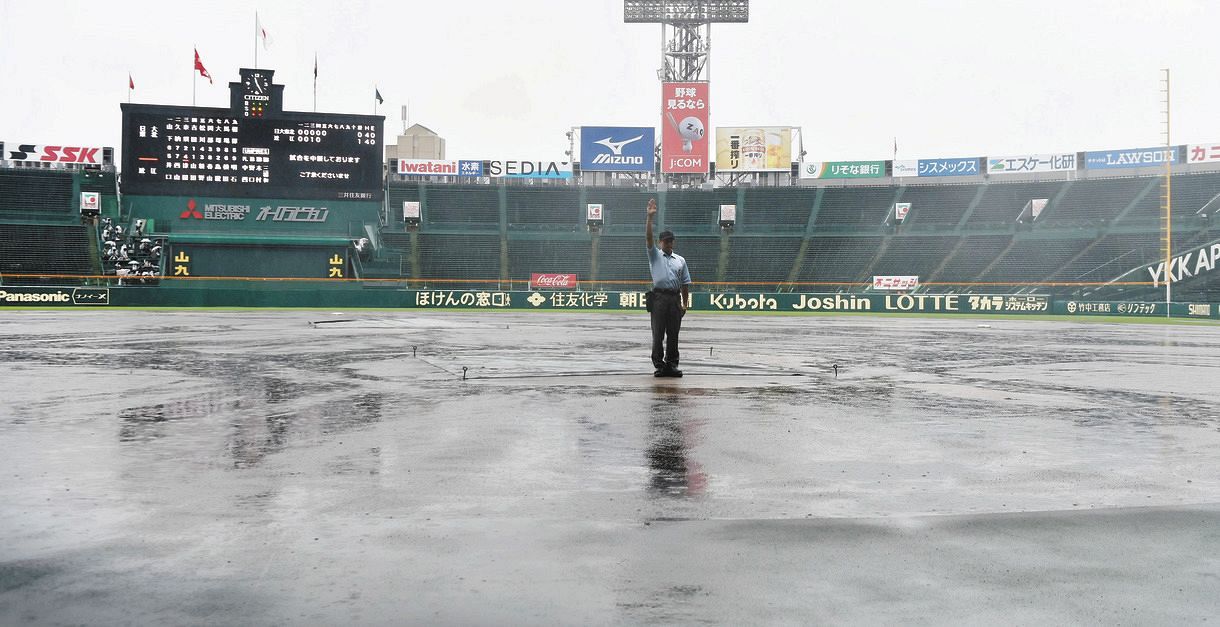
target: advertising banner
428 167
593 212
1130 158
754 149
842 169
895 282
684 118
552 281
1203 153
253 216
1198 262
53 296
54 154
958 166
1023 164
189 293
617 149
906 167
90 202
901 209
522 169
440 167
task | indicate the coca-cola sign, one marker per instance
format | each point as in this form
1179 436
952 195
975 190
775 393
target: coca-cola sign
552 281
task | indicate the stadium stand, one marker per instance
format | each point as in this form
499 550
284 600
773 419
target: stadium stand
970 258
463 257
958 236
36 192
775 210
1002 202
838 259
622 210
852 208
459 206
695 211
1092 202
44 249
549 209
527 256
913 255
939 206
761 259
1032 259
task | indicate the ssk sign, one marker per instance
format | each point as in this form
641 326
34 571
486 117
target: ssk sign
55 154
552 281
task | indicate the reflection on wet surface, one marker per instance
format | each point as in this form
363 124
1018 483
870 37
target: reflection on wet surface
671 438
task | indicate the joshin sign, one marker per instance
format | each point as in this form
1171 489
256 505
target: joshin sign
684 119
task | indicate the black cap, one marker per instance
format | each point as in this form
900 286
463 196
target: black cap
666 235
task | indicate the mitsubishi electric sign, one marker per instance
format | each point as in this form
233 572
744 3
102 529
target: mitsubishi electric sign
617 149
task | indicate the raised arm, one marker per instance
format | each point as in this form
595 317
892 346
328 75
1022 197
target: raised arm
652 211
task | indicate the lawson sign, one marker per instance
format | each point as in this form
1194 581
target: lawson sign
617 149
1130 158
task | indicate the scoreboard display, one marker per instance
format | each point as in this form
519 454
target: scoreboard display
252 150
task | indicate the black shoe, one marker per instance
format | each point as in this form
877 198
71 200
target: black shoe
672 372
660 372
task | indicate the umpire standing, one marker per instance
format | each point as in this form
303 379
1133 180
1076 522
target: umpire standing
670 293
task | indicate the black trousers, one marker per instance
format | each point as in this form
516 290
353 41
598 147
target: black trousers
666 322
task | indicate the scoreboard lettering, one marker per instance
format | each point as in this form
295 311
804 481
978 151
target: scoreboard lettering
197 151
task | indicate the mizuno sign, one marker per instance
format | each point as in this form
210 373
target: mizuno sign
617 148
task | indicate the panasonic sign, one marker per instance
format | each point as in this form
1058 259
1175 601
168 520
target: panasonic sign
617 148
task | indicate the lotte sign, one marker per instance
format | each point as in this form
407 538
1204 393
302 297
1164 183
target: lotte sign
684 117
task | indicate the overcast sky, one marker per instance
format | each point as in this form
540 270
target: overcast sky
505 80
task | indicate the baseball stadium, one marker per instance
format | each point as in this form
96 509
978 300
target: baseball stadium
263 366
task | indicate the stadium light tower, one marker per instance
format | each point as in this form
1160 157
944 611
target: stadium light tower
686 31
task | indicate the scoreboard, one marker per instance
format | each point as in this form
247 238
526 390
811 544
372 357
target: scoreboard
250 151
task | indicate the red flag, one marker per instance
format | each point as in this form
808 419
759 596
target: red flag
199 66
131 84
